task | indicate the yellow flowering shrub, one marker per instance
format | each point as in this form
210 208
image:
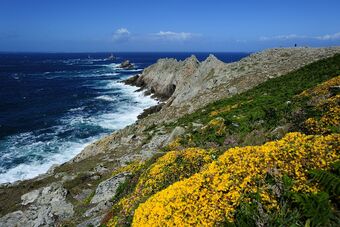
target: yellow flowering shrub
172 167
329 119
328 105
211 196
217 125
322 89
175 144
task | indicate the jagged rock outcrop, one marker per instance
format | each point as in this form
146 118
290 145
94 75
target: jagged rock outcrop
45 207
198 84
164 77
195 83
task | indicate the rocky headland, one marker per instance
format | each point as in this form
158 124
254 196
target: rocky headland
82 191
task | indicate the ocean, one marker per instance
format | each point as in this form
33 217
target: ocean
54 104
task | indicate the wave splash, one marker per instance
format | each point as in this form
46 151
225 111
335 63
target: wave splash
112 106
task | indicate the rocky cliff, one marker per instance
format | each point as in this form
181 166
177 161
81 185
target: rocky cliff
81 190
195 83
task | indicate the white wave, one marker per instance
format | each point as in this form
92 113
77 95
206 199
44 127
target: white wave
110 74
113 65
129 70
42 153
76 109
97 59
127 112
36 167
106 98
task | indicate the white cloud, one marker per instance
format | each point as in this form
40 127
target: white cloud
282 37
121 34
174 36
335 36
329 37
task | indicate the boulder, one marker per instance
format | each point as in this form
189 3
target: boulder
106 190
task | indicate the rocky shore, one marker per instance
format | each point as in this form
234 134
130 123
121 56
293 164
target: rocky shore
80 191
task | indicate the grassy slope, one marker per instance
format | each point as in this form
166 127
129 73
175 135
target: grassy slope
249 118
265 107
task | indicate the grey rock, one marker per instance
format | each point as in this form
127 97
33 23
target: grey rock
126 65
232 90
198 83
107 189
95 222
95 177
100 169
176 132
98 209
156 142
68 178
14 219
44 207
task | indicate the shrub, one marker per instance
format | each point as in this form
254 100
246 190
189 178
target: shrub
212 196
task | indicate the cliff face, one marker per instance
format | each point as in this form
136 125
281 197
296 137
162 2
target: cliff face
85 185
195 83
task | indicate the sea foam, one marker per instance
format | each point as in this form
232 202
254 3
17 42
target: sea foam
116 105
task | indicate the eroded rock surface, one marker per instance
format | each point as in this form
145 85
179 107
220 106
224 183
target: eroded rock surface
107 189
45 207
195 83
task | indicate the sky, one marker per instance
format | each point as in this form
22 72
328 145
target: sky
172 25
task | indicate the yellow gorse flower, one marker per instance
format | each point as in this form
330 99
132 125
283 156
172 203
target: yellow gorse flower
172 167
212 195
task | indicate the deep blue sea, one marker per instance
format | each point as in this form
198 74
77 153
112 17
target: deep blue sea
52 105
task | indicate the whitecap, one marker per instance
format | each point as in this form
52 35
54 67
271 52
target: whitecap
76 109
113 65
45 147
129 70
106 98
36 167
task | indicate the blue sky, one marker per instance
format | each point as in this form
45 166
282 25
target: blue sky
176 25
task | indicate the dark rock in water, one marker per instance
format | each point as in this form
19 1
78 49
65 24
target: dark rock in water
151 110
147 92
132 80
126 65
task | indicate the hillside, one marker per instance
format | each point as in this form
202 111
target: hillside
275 112
287 184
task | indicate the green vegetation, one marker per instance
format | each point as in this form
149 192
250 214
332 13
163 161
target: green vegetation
262 109
264 113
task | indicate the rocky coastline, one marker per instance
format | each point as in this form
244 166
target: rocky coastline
80 191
